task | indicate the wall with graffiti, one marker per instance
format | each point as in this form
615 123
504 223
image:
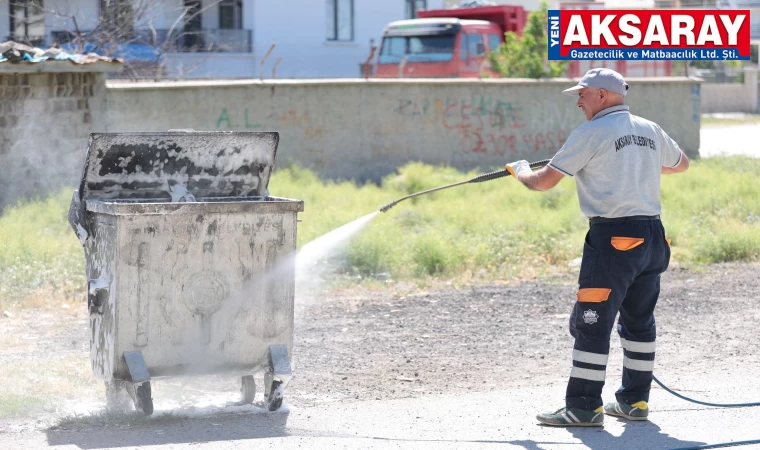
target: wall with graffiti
364 130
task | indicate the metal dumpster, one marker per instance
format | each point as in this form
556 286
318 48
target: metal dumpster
190 263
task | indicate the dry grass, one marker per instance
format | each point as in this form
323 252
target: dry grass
712 120
36 386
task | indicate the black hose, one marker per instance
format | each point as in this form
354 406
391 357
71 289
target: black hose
504 173
725 444
478 179
538 164
720 405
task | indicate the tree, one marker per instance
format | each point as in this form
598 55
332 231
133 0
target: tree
527 56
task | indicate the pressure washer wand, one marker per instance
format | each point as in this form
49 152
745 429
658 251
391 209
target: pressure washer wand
479 179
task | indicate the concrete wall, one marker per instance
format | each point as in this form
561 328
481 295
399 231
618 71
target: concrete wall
731 97
44 122
366 129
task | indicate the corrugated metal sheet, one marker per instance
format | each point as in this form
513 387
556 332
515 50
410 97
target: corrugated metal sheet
13 52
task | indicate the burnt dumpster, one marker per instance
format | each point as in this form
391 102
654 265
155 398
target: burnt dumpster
190 262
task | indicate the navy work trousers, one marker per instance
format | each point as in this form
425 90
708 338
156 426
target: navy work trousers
620 272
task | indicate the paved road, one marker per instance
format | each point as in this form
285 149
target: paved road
730 140
502 419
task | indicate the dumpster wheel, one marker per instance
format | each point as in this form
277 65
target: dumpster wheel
274 396
248 388
143 399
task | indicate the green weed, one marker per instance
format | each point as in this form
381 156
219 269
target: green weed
20 405
496 230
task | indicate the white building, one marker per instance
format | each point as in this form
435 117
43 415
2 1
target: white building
224 38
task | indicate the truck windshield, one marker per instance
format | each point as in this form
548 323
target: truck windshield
417 49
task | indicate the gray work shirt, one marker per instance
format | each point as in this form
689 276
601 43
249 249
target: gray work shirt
616 159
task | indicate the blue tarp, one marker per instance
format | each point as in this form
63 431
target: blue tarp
128 52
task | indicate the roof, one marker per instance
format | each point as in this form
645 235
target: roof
16 57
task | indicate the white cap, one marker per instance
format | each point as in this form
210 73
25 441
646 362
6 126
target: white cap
606 79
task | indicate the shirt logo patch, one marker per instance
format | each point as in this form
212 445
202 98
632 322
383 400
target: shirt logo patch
590 316
631 139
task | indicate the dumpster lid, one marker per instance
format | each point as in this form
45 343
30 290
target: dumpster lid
166 166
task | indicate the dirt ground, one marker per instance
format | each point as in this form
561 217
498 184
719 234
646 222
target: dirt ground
480 338
402 343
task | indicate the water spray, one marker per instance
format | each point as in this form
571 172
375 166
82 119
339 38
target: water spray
479 179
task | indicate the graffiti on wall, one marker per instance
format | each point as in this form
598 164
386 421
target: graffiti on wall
400 128
244 119
225 122
486 126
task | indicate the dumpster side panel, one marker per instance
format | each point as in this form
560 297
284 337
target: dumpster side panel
205 293
100 257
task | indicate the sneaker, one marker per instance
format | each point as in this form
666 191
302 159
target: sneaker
573 417
637 411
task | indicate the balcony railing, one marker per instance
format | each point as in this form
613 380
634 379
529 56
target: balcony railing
219 40
204 40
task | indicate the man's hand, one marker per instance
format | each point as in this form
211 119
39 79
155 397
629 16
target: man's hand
518 167
541 180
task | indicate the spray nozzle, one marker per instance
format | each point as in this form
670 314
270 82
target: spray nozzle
388 206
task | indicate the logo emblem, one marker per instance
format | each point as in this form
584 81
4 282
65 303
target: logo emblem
590 316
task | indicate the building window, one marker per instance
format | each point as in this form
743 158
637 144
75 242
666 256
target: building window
231 14
27 22
412 6
340 20
192 37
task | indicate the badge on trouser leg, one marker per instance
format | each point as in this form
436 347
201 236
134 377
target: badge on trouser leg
573 417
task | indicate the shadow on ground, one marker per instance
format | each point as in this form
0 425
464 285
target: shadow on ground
96 432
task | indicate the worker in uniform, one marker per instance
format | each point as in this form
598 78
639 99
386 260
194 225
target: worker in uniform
617 159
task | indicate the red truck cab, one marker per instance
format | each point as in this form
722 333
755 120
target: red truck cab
446 42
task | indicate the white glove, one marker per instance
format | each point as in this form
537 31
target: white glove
518 167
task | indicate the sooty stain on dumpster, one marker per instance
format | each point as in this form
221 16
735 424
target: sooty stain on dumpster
243 170
212 228
126 158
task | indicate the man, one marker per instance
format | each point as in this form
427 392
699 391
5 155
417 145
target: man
616 159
